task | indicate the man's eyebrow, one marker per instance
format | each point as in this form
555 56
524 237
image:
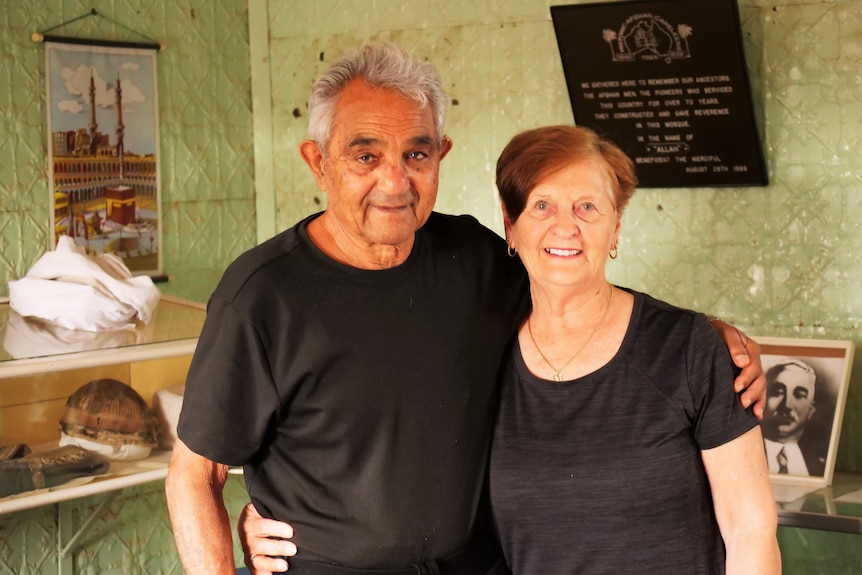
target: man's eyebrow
360 141
423 141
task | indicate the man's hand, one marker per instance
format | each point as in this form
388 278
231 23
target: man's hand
264 542
746 355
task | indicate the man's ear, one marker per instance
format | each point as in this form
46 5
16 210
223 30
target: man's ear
445 146
313 156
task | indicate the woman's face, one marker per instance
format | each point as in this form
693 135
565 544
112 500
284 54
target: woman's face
567 228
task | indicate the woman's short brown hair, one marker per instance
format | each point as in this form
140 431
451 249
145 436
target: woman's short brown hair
533 155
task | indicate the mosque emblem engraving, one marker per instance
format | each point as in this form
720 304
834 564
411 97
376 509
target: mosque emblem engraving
648 37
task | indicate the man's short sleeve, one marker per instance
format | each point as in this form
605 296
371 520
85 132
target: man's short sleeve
229 400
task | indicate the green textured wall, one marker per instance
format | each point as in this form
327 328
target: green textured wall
782 260
208 211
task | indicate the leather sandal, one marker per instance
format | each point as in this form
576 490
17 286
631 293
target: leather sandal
49 469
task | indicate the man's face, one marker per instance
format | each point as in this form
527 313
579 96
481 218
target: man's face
380 169
789 404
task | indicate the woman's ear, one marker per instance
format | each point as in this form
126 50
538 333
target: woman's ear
507 223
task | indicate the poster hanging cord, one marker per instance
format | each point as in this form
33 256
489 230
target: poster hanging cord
43 36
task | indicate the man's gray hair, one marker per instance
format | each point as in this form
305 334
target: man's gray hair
382 66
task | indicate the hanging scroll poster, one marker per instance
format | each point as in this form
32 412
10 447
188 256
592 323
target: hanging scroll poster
103 150
666 81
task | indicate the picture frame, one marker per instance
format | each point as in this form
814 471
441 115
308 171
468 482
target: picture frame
103 151
807 383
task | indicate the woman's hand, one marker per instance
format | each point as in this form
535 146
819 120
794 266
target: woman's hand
264 542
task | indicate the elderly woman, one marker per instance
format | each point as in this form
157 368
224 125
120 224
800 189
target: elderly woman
620 446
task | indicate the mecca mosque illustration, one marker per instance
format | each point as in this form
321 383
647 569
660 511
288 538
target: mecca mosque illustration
106 197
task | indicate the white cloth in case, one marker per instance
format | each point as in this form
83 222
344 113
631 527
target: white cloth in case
76 291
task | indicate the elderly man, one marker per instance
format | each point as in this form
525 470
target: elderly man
790 404
350 364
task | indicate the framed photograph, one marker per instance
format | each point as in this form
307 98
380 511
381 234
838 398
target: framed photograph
807 383
103 151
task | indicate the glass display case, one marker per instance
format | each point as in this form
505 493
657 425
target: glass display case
837 507
41 365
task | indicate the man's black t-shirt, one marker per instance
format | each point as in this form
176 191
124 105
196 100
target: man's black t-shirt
360 403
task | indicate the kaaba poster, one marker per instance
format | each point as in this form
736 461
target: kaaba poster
103 151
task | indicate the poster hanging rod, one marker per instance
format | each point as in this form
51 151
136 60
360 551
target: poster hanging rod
44 37
38 37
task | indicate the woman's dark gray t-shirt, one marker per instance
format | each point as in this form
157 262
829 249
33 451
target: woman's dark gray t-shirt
603 474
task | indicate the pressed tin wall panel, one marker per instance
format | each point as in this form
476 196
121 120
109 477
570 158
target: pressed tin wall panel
207 172
132 536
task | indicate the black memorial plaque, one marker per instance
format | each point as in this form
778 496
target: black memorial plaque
666 81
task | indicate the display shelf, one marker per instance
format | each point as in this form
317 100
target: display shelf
41 365
121 474
32 346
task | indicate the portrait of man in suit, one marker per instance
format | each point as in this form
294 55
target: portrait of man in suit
791 402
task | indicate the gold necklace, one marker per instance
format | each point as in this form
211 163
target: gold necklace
558 373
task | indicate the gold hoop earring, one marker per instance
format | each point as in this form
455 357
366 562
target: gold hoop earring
614 253
511 251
